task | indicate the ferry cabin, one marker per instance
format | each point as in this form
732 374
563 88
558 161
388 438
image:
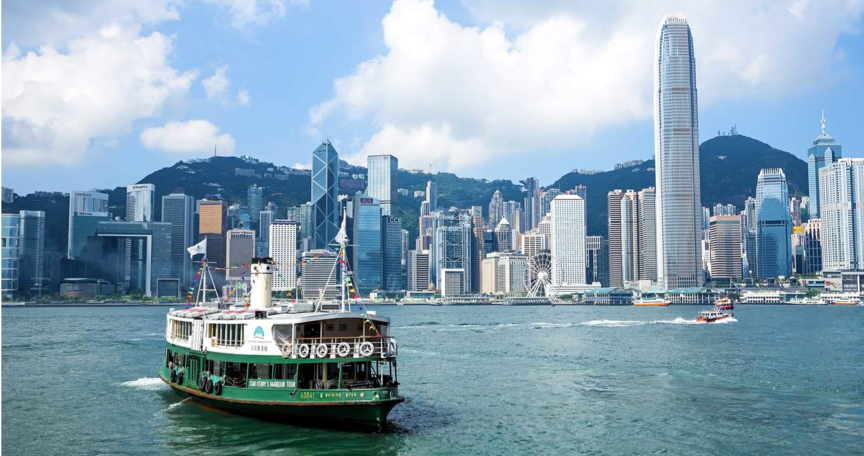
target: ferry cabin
271 361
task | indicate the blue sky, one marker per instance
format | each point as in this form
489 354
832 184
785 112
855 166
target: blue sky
100 93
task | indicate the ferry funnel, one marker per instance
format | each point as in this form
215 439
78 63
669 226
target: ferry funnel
262 283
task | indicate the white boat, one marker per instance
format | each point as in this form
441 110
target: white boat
807 302
651 302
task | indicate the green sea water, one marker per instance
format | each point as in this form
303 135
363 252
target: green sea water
477 380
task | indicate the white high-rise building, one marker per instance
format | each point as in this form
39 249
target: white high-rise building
841 205
139 202
568 240
432 195
283 251
418 270
676 153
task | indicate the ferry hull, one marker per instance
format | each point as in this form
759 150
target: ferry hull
658 304
356 414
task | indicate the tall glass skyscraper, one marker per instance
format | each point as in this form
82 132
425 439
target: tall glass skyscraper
676 153
825 151
382 180
773 225
178 209
391 229
32 277
325 191
86 210
139 202
368 250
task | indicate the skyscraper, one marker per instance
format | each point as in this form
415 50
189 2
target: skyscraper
452 244
179 210
382 182
503 236
283 251
432 195
391 230
265 218
725 237
825 150
813 246
139 202
255 200
597 260
212 225
9 254
418 270
496 209
31 252
841 193
568 240
325 192
773 225
368 252
676 146
613 234
532 203
240 249
86 210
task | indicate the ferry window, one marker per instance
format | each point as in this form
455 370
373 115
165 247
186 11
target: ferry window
168 356
359 327
348 371
343 327
330 327
235 374
332 371
260 370
181 330
306 376
284 371
362 371
227 334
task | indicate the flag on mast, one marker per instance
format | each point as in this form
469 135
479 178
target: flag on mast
342 236
198 248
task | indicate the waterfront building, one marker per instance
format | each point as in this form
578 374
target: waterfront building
212 224
316 281
725 247
179 210
149 261
489 274
368 252
813 246
825 151
325 193
382 183
452 244
241 249
418 270
676 145
503 236
86 210
140 199
841 205
613 234
432 195
597 260
391 230
773 225
453 282
568 240
496 209
31 252
9 254
638 236
283 251
512 273
478 251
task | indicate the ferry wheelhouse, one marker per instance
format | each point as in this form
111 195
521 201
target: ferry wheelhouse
291 362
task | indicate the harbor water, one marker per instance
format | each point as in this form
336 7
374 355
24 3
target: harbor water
477 380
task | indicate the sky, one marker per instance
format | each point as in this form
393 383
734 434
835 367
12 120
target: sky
99 93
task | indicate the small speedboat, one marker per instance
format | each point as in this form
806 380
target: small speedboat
724 304
711 316
847 302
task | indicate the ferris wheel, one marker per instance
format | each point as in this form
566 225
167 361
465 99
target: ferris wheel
541 273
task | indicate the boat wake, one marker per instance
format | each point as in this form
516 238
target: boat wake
626 323
146 384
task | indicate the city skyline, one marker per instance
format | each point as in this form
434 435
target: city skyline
223 93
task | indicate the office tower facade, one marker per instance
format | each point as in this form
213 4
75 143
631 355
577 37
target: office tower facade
453 282
283 251
546 200
179 210
568 240
432 195
240 248
86 210
794 211
841 205
597 260
724 209
825 151
265 218
8 196
31 252
532 244
255 200
316 279
512 273
382 180
638 236
368 244
489 275
725 245
503 236
292 214
676 146
391 231
813 246
212 224
452 244
325 193
424 208
773 225
140 199
9 254
512 212
149 264
496 209
613 234
418 270
532 203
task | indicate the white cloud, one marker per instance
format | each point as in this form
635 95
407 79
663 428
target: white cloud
243 97
302 166
250 13
55 103
464 95
187 137
216 85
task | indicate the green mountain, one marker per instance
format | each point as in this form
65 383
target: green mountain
729 167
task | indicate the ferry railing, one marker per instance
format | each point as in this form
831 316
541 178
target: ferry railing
382 347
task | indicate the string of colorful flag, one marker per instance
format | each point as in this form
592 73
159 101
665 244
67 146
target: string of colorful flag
350 283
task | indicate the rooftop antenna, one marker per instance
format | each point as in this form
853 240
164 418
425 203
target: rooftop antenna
430 167
214 149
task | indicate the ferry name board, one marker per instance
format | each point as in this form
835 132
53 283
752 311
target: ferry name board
272 383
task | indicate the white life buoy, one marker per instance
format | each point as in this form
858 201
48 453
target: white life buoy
366 349
286 350
392 349
321 351
343 349
303 350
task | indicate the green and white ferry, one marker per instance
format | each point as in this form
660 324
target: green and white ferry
293 362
